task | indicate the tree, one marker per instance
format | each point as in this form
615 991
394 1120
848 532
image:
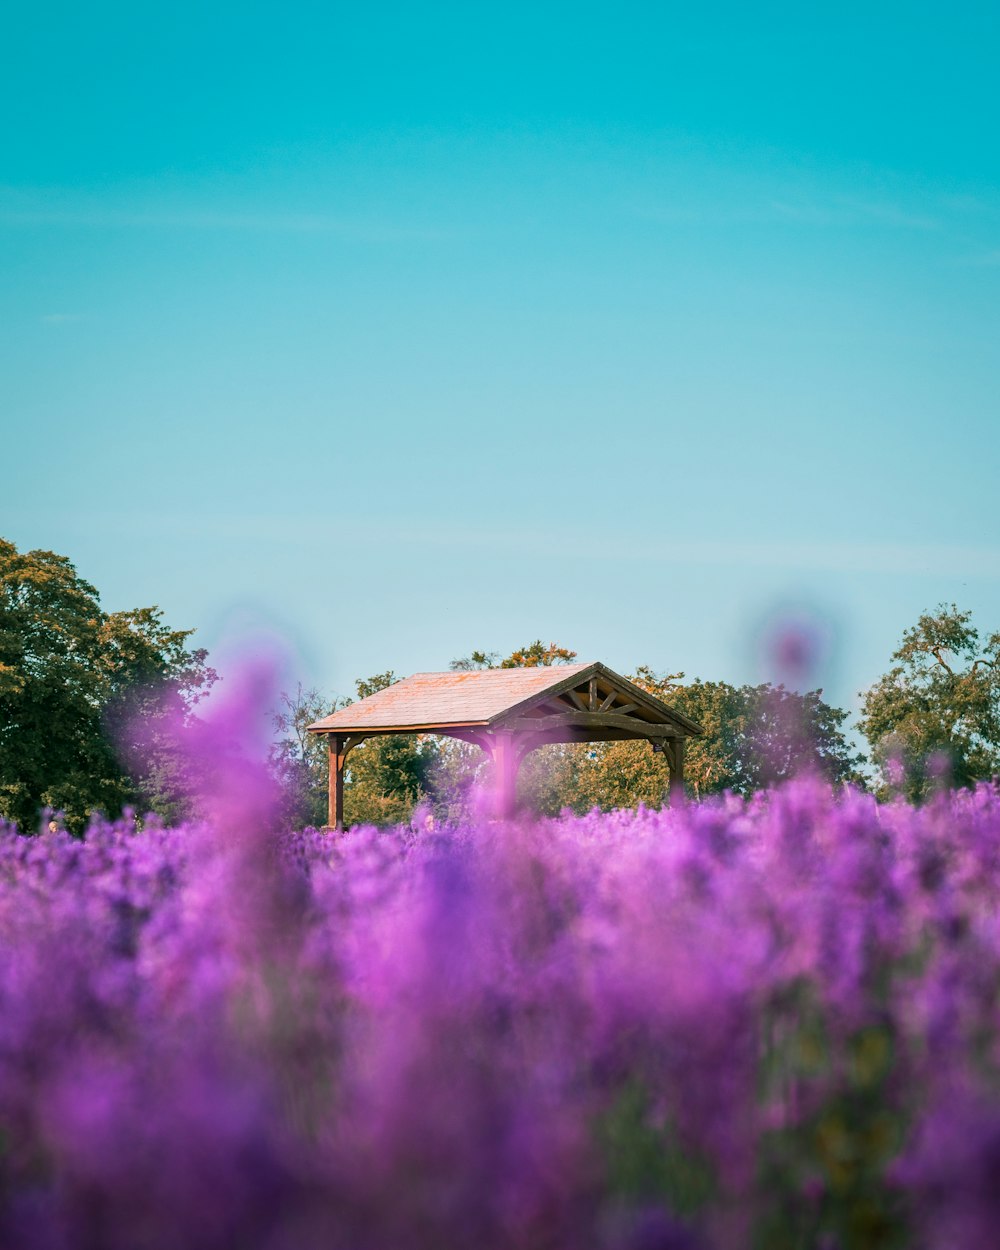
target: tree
536 654
74 681
936 713
759 736
299 759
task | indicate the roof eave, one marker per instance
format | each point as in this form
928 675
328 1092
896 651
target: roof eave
318 727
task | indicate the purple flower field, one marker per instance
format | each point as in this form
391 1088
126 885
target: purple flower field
771 1024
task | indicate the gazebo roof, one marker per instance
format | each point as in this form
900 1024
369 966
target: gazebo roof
582 697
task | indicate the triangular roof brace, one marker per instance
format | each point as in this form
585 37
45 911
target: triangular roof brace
508 712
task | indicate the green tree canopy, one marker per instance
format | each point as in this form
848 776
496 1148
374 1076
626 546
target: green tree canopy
759 736
536 654
299 759
73 680
936 713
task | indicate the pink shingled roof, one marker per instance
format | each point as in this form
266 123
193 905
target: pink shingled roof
448 698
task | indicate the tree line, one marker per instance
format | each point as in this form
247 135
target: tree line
89 699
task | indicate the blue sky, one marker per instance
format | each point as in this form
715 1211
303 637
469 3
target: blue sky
401 332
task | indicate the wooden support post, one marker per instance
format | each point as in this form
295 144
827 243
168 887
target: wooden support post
339 745
505 764
675 758
338 754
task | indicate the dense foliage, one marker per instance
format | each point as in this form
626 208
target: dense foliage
939 702
73 680
764 1023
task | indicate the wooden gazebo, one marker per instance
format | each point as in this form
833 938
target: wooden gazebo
509 712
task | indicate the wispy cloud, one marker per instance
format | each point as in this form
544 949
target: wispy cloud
841 211
819 556
887 558
743 201
986 260
18 210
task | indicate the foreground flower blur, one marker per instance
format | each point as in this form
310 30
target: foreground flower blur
771 1023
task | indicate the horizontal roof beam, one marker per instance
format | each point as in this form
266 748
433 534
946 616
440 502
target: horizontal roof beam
590 721
372 731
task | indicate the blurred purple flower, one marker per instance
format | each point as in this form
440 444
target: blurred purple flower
615 1032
